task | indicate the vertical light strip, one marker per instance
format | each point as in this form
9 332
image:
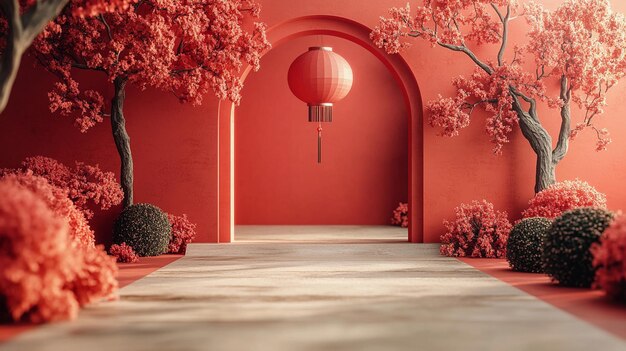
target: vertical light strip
232 172
219 114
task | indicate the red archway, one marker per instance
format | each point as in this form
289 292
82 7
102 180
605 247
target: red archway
399 69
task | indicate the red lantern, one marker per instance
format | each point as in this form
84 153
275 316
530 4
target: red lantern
320 78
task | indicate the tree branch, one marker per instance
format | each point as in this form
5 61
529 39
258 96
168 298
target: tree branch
469 53
106 25
470 106
505 30
532 111
23 30
563 142
495 8
86 67
413 32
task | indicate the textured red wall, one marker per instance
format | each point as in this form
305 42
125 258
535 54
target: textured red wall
175 145
363 174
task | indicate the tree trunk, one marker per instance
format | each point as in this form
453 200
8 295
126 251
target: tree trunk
122 140
541 143
545 172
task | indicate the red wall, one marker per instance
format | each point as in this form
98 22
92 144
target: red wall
363 174
175 145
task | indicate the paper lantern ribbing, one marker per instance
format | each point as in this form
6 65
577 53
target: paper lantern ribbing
320 78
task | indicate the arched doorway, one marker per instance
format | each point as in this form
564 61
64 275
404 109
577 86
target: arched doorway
356 33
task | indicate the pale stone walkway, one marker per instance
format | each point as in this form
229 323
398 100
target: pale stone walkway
284 296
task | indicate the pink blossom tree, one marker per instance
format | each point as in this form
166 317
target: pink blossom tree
581 46
20 23
187 47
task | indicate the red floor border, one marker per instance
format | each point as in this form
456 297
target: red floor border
128 273
589 305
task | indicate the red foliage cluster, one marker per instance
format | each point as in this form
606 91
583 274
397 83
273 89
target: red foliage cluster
93 7
492 92
87 7
186 47
45 272
401 215
33 265
183 232
564 196
85 184
96 275
124 253
80 8
432 22
477 231
609 258
56 199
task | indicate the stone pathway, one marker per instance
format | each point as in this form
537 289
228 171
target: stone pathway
376 294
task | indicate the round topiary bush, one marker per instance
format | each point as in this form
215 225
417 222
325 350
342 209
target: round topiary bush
523 248
566 251
143 227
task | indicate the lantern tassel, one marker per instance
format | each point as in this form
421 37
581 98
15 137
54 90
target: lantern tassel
319 143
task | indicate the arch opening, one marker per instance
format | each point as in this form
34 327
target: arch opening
400 71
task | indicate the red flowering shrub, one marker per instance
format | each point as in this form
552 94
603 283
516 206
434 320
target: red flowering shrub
183 232
609 260
33 264
124 253
85 184
45 275
56 199
96 275
564 196
477 231
401 215
49 265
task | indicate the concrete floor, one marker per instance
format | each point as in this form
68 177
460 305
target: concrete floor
336 288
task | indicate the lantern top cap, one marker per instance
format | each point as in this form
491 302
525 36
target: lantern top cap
325 48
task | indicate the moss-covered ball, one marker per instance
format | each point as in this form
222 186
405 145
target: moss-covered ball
145 228
523 248
566 255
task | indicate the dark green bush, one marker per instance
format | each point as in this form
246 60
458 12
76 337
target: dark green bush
566 255
523 248
145 228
